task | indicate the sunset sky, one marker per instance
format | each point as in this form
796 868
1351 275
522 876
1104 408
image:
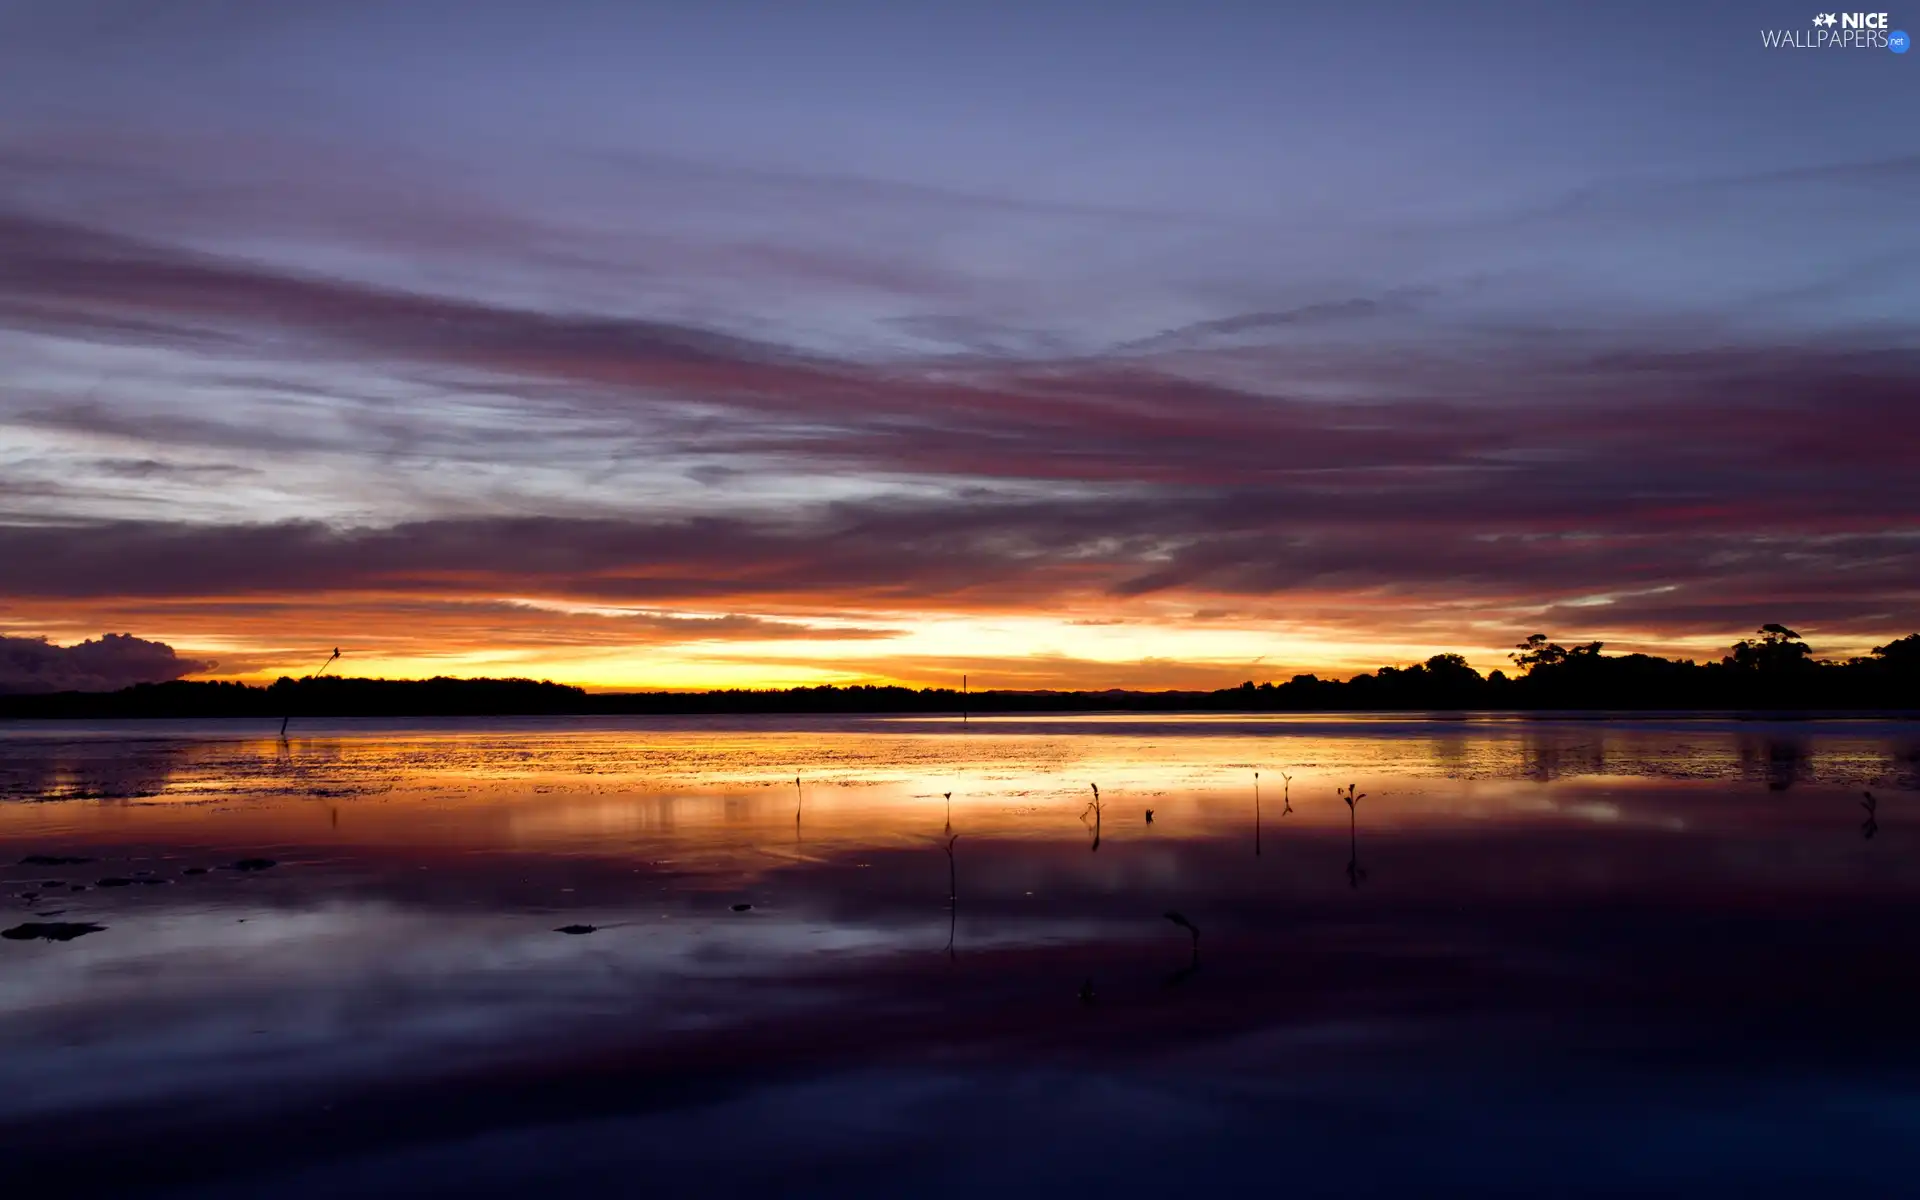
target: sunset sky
1063 344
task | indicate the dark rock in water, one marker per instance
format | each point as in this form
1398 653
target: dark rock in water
743 908
55 931
113 881
142 874
194 871
53 860
52 883
255 864
76 887
577 929
29 897
58 912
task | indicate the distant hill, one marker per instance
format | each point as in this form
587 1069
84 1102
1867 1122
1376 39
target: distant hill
1772 672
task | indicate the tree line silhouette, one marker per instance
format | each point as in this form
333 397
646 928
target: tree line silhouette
1774 670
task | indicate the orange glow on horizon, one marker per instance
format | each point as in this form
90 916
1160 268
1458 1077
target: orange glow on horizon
1154 643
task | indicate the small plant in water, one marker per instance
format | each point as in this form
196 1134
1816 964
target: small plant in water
1356 874
1871 825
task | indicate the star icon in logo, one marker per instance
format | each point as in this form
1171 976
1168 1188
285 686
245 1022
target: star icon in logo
1824 19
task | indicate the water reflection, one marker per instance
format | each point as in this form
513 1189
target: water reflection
96 771
953 896
1094 808
338 758
1780 761
405 936
1560 754
1256 814
1185 973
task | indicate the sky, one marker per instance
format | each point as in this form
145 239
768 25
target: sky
1056 343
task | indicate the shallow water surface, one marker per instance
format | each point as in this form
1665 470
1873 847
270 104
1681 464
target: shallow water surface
1539 956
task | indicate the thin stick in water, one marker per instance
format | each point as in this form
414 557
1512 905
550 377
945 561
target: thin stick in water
317 674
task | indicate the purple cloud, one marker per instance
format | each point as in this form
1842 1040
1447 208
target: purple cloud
104 664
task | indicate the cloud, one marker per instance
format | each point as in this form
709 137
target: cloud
1517 404
104 664
1689 477
1378 566
1328 312
68 279
636 625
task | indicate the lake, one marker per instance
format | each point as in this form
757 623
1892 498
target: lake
1566 957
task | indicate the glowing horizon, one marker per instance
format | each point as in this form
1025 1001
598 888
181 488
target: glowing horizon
1081 656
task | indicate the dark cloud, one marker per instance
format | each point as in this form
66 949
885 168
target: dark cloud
1725 408
1660 478
676 628
103 664
1327 312
66 278
1621 423
1517 473
150 468
1013 556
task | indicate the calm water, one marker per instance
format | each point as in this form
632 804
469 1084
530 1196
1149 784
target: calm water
1540 958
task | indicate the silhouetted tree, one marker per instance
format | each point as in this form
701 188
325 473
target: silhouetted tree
1776 649
1538 652
1773 670
1900 657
